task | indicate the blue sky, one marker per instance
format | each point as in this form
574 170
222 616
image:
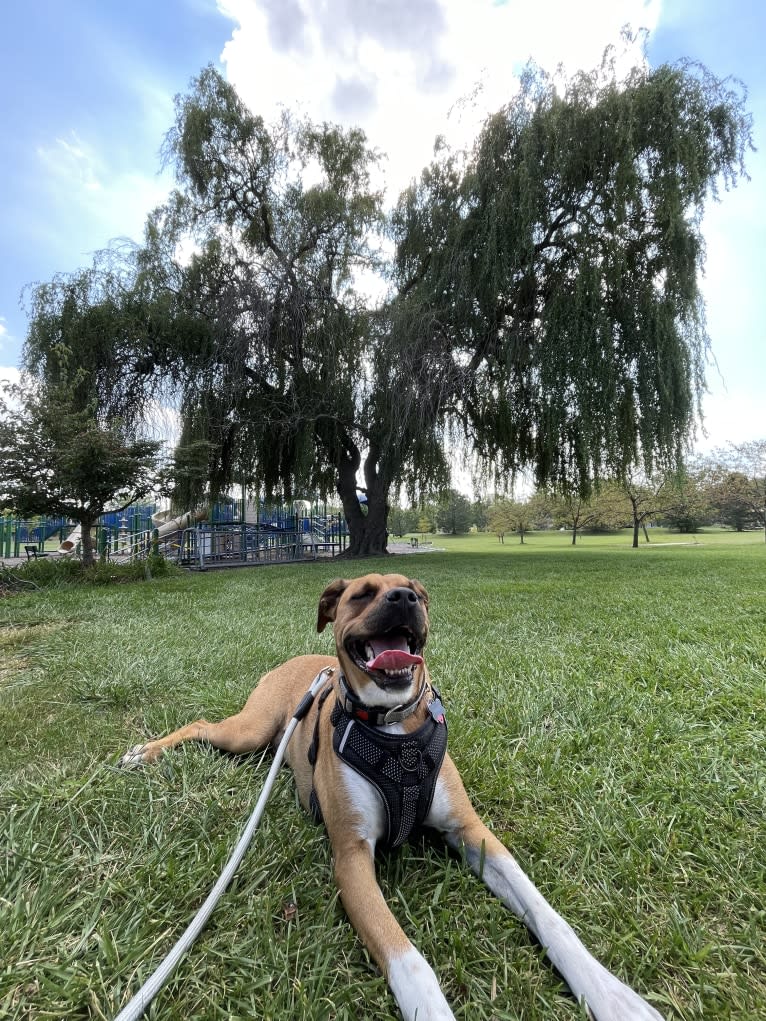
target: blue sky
87 95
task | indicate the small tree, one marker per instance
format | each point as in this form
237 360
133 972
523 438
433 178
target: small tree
523 514
479 512
750 460
512 516
687 505
402 520
57 458
646 498
499 519
453 513
425 522
574 512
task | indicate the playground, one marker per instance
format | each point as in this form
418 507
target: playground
232 533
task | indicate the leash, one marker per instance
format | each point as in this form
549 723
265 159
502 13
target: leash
135 1008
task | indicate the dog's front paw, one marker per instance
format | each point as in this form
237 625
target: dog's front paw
138 755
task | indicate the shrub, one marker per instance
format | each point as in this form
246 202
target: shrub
54 572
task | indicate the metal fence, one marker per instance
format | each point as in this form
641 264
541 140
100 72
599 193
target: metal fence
221 545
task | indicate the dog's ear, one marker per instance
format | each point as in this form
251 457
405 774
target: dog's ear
420 591
328 602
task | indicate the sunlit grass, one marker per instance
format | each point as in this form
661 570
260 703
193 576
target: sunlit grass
607 711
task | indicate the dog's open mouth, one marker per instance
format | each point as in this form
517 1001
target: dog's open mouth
388 658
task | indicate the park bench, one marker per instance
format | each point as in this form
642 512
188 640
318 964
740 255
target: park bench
33 553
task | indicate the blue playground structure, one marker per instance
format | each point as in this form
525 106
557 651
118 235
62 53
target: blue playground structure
16 533
230 533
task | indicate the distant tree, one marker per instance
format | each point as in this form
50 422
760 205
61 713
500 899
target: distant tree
499 519
57 458
523 515
686 505
479 511
729 493
402 520
541 511
425 523
511 516
646 496
612 507
575 512
750 461
453 513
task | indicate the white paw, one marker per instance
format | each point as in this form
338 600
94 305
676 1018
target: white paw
133 757
416 988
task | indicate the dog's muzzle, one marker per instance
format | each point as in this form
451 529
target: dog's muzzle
392 643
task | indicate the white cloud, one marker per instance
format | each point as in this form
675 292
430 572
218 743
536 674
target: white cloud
106 201
7 340
396 68
70 159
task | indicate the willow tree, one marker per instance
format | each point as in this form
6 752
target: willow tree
287 379
558 266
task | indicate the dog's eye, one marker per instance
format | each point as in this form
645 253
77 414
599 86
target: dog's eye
366 593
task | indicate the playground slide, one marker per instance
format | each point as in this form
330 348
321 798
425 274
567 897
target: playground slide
69 545
166 524
162 521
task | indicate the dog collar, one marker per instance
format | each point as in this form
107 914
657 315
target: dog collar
376 716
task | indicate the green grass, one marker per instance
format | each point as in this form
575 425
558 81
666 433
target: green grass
606 709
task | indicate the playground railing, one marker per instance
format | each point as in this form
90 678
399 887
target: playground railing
208 545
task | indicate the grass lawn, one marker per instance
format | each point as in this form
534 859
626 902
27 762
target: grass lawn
607 709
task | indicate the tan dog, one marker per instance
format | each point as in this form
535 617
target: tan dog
382 707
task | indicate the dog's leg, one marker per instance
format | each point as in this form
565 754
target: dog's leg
246 731
410 978
607 997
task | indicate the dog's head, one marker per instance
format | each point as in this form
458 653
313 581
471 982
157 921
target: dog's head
380 622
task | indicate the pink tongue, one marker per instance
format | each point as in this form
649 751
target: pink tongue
393 659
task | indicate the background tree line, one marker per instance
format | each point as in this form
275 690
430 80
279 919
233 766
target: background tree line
727 487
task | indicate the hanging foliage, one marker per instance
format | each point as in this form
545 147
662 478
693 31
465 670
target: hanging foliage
560 263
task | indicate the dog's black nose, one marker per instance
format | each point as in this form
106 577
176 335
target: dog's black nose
395 595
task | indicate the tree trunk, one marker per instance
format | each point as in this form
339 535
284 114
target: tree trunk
636 524
646 533
86 541
574 536
366 525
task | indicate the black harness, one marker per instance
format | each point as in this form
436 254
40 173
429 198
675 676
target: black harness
402 767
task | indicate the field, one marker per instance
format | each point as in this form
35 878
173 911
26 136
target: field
607 709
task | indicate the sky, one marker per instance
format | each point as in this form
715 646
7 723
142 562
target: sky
87 95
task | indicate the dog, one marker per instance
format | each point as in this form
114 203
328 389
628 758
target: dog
373 767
